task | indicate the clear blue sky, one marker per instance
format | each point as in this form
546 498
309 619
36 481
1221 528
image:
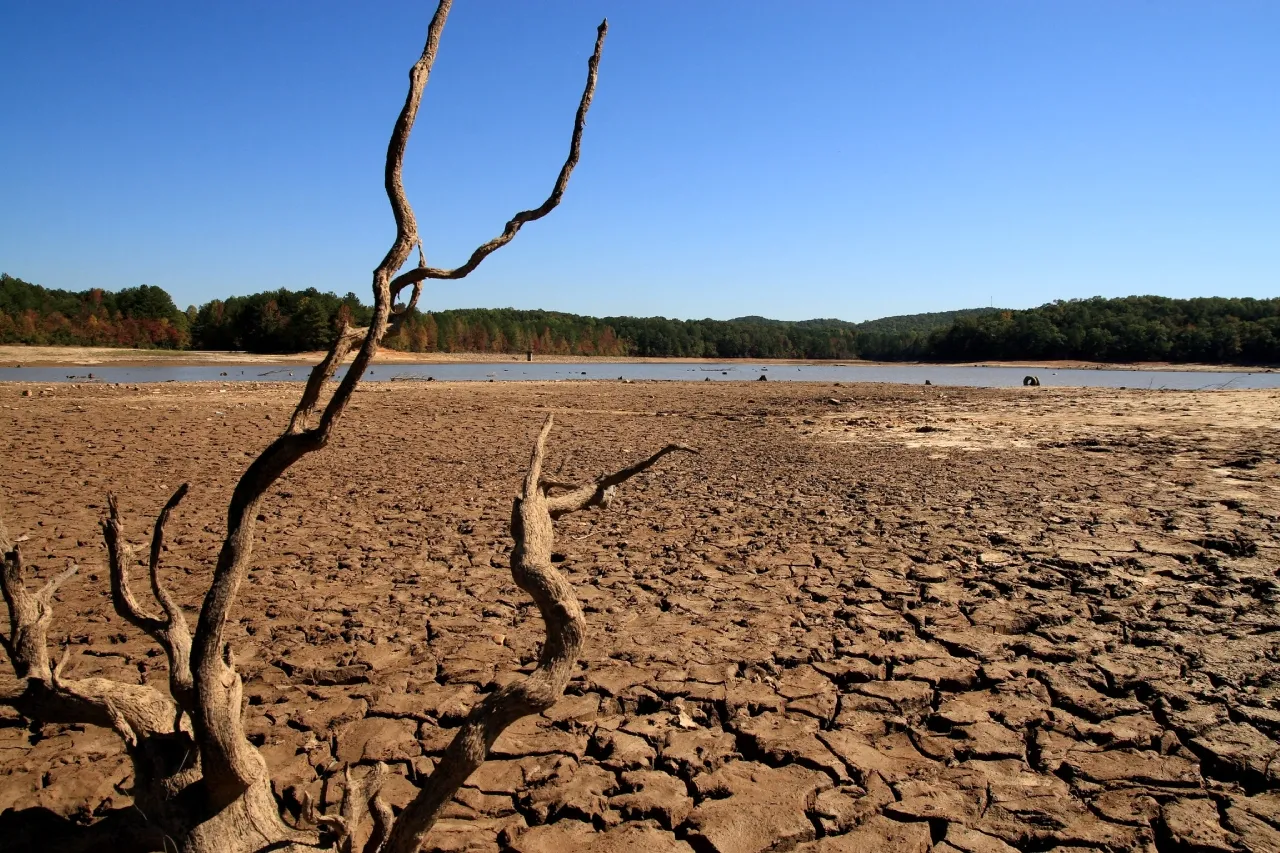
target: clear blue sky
795 160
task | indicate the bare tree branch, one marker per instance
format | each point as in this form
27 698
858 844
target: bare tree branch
401 281
360 801
533 572
536 460
205 782
525 216
136 712
29 615
119 559
171 609
170 631
348 339
599 492
231 764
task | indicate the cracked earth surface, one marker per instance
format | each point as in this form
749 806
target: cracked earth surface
864 618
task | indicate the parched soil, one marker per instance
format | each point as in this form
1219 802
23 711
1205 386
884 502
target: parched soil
863 618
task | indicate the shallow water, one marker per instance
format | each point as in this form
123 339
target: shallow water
979 377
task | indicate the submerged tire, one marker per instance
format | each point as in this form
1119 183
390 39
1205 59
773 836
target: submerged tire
1031 380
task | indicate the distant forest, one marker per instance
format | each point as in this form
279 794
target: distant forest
1134 328
143 316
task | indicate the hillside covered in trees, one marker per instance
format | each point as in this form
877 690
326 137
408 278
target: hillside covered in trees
281 321
275 321
1134 328
142 316
1211 330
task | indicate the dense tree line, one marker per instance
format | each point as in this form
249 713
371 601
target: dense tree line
507 330
275 321
1136 328
907 337
142 316
554 333
1133 328
745 337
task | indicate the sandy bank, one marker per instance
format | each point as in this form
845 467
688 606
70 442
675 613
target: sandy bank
19 356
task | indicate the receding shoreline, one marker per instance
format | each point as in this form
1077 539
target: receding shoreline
35 356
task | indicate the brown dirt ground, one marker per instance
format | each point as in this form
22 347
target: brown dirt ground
864 618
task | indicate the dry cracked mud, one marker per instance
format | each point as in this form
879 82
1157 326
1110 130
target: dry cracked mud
865 618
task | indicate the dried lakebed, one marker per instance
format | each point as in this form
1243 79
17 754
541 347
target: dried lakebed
864 618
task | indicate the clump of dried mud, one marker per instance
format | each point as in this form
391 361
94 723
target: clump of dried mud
864 618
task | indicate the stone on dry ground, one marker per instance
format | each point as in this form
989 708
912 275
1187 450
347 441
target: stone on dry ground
1048 623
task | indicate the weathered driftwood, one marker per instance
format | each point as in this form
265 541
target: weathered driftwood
199 782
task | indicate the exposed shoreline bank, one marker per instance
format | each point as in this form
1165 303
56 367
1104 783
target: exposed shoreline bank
32 356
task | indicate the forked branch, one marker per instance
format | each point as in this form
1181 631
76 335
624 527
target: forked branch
29 614
134 711
534 572
600 492
347 340
516 222
170 630
205 782
231 764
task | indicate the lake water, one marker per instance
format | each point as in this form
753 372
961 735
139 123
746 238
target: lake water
979 377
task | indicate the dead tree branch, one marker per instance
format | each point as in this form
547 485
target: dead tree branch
600 492
145 719
197 774
232 765
514 224
348 339
170 631
29 615
533 572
